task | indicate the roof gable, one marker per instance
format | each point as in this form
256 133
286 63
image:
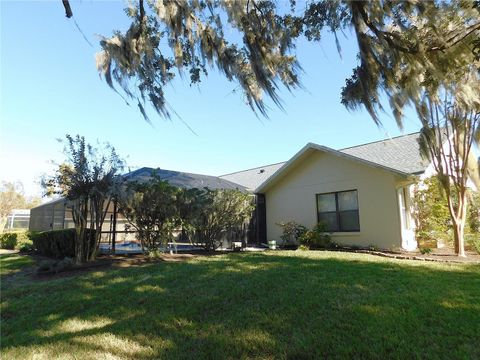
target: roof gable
400 153
306 150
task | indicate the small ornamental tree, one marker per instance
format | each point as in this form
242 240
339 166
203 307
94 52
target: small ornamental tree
88 179
214 213
450 130
153 210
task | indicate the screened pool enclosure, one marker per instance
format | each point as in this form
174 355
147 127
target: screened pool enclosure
117 234
57 215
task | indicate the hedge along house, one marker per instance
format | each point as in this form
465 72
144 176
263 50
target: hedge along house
362 193
57 214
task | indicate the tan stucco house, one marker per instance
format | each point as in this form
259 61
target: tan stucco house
363 193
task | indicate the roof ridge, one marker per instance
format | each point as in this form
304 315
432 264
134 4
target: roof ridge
172 171
257 167
377 141
175 175
136 171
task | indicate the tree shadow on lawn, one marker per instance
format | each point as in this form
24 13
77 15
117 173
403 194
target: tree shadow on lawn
251 305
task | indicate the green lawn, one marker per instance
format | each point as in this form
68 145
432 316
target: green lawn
273 305
12 263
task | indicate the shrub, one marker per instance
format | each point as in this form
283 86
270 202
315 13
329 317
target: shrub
210 216
65 264
8 240
292 232
425 250
473 242
26 246
473 217
154 254
476 245
317 238
59 243
14 240
46 266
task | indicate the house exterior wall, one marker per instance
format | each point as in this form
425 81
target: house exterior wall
293 197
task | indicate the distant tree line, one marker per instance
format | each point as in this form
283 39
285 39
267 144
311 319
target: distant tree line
12 197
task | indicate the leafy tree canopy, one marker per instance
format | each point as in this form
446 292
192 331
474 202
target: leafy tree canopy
153 209
86 170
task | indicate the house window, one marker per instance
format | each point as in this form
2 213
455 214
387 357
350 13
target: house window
339 210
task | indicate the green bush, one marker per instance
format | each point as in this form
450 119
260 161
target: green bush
14 240
473 242
317 238
425 250
292 232
8 240
476 245
59 243
26 246
473 217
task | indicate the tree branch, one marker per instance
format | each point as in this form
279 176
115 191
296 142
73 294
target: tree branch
68 9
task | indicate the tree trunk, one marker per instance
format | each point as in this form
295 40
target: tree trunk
459 224
80 232
80 236
458 231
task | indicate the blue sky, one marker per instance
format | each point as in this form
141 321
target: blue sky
50 87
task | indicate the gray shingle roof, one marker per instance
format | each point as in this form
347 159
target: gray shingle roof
251 178
184 180
401 153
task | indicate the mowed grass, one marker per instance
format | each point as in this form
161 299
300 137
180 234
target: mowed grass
295 305
12 263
